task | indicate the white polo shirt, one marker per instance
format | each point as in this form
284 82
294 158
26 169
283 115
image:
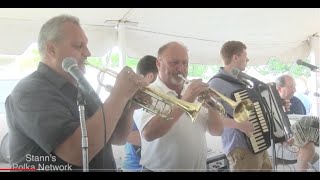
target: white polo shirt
183 148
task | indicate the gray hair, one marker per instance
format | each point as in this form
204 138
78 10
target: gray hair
50 31
281 80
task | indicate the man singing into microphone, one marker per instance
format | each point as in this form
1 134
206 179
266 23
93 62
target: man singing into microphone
234 142
42 111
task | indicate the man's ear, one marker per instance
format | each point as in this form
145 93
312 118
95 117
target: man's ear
234 57
149 76
158 63
51 48
279 90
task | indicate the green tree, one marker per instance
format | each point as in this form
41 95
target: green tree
31 58
276 67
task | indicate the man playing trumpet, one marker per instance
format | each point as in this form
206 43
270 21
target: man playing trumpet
177 144
42 111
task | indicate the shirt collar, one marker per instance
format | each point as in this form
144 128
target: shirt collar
53 77
167 90
223 72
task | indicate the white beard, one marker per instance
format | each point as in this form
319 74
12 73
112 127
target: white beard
177 81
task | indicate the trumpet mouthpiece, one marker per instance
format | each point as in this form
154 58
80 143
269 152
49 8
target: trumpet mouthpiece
182 77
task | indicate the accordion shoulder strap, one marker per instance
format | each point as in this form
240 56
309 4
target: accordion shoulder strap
226 78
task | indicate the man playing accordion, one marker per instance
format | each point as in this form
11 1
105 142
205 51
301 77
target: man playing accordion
305 130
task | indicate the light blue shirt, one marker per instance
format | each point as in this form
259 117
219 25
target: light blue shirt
231 138
131 160
306 101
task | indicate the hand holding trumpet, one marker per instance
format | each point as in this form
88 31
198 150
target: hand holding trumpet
201 90
194 90
198 89
128 83
140 98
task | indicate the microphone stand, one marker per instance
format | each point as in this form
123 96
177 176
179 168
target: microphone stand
84 140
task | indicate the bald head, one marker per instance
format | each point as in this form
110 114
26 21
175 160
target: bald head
286 86
171 46
282 80
173 60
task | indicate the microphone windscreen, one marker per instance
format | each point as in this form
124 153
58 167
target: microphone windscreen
299 61
68 62
235 72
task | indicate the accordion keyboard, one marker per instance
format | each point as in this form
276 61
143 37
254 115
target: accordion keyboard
259 139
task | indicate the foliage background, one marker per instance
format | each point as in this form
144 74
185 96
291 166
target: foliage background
273 66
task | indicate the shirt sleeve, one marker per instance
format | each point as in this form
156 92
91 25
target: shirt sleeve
143 120
203 116
225 89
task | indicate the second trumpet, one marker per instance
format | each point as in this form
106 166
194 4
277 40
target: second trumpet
241 110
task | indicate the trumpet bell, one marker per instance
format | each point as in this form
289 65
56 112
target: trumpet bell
242 111
193 110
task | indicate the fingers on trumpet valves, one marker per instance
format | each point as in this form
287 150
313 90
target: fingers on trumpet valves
143 98
136 79
126 71
140 81
204 97
200 99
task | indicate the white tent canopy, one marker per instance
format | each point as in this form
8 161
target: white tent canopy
283 33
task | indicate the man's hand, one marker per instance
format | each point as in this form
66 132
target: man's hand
128 83
246 127
290 141
141 98
286 104
194 90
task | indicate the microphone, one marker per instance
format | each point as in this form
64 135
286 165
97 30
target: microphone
237 73
70 65
302 63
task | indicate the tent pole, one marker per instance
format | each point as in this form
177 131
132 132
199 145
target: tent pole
122 45
315 76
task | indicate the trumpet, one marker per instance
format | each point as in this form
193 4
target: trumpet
241 110
161 99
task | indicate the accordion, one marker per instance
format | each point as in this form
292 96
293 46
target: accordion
269 119
305 129
259 139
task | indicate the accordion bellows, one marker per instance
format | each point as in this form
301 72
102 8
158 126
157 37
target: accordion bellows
306 130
